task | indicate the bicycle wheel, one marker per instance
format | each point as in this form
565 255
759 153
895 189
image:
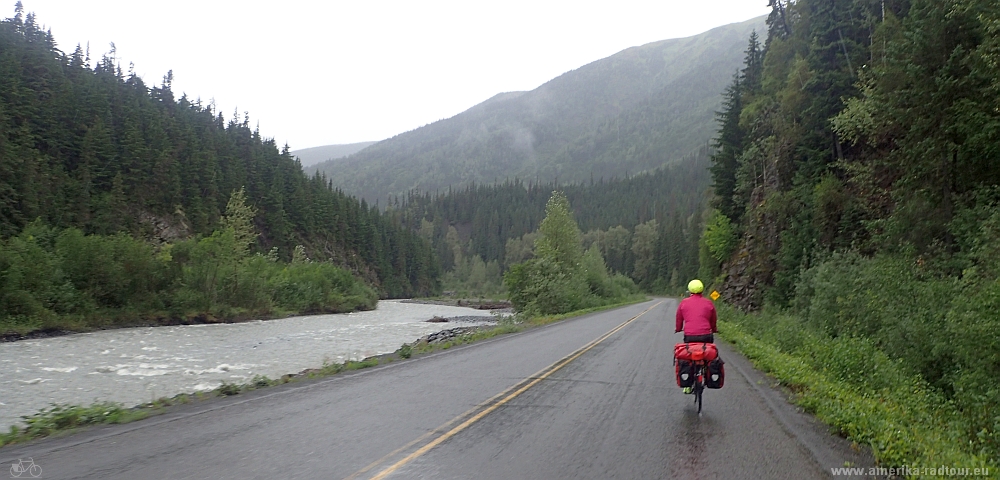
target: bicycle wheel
698 389
35 471
699 386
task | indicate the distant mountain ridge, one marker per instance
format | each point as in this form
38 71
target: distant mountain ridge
312 156
637 110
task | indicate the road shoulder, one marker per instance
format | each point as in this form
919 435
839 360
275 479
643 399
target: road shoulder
827 449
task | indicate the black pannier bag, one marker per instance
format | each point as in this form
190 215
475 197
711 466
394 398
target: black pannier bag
685 370
715 374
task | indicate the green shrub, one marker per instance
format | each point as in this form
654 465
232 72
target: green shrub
916 320
898 415
249 287
320 287
33 284
543 286
857 362
887 299
228 389
261 381
65 280
595 273
111 271
973 327
720 237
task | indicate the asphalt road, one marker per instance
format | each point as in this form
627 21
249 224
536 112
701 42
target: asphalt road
590 398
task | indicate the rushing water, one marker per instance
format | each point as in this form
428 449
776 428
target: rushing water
137 365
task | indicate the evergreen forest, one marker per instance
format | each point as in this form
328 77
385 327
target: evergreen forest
646 227
856 184
99 170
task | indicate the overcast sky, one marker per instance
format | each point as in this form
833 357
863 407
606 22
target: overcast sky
314 73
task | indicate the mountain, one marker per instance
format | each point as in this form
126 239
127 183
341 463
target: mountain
314 155
634 111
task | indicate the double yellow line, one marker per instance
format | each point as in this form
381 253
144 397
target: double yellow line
486 407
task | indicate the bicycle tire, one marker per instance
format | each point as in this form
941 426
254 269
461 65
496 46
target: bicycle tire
699 387
697 395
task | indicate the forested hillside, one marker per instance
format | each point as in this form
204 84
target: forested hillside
634 111
857 184
646 226
86 144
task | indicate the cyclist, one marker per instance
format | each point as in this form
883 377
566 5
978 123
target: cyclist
696 316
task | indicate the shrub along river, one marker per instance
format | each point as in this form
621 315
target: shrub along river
137 365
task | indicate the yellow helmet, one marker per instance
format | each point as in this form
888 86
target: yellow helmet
695 286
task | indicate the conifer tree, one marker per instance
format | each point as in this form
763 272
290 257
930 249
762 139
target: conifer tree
559 238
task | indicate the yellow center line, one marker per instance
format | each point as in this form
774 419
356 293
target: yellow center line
538 377
431 433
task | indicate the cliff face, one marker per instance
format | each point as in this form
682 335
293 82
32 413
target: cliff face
751 269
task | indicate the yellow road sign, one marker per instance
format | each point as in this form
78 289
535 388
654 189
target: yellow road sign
715 295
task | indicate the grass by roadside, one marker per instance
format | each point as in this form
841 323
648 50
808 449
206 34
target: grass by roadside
850 385
64 419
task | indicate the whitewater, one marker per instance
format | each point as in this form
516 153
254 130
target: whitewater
137 365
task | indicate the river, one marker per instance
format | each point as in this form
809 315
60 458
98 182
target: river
137 365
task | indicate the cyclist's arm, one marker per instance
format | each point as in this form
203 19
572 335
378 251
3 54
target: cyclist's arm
680 320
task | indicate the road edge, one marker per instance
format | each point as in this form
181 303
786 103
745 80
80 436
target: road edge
827 449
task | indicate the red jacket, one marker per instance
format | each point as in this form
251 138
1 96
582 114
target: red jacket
696 315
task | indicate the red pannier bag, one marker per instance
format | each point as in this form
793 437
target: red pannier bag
696 352
685 371
715 374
